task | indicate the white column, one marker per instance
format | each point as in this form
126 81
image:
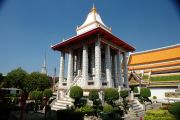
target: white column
119 68
79 62
61 69
125 71
75 65
92 61
85 65
116 72
70 69
98 82
108 66
61 74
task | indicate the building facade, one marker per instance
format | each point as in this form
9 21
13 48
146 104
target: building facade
95 57
159 69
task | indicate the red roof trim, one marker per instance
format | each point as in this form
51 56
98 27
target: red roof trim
99 30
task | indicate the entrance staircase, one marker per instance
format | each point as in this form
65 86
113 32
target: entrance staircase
65 102
137 108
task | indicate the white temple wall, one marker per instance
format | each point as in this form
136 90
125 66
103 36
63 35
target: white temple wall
160 92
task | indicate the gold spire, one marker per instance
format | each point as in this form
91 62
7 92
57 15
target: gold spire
93 9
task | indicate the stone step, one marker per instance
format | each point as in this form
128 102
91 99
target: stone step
63 104
58 107
67 99
137 108
135 105
53 108
64 101
140 110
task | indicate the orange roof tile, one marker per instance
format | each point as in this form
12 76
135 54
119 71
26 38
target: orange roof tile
154 56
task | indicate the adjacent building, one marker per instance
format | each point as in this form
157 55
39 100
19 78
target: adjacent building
158 69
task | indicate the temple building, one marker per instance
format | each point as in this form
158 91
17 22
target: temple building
95 57
158 69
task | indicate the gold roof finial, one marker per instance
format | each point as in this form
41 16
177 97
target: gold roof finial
93 8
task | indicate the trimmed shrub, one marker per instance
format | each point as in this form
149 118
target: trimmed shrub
124 93
135 90
76 92
107 108
111 94
175 110
145 92
154 97
47 93
158 115
86 109
93 95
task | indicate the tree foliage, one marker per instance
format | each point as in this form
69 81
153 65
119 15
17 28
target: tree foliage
36 95
107 108
47 93
76 92
175 110
124 93
37 81
111 94
1 77
145 92
15 78
135 90
93 95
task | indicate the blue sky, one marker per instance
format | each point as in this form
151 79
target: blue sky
29 27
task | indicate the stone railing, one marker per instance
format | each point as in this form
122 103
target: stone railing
73 83
172 94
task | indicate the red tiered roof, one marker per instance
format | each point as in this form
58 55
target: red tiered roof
107 35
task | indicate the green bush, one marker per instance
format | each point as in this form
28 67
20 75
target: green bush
175 109
107 108
145 92
36 95
86 109
111 94
47 93
124 93
158 115
76 92
154 97
93 95
135 90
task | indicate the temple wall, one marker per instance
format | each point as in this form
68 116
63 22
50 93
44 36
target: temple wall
160 92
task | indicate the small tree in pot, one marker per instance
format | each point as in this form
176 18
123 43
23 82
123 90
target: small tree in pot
76 93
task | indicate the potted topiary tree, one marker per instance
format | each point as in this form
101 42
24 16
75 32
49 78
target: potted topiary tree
94 96
47 93
124 94
76 93
110 95
145 93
